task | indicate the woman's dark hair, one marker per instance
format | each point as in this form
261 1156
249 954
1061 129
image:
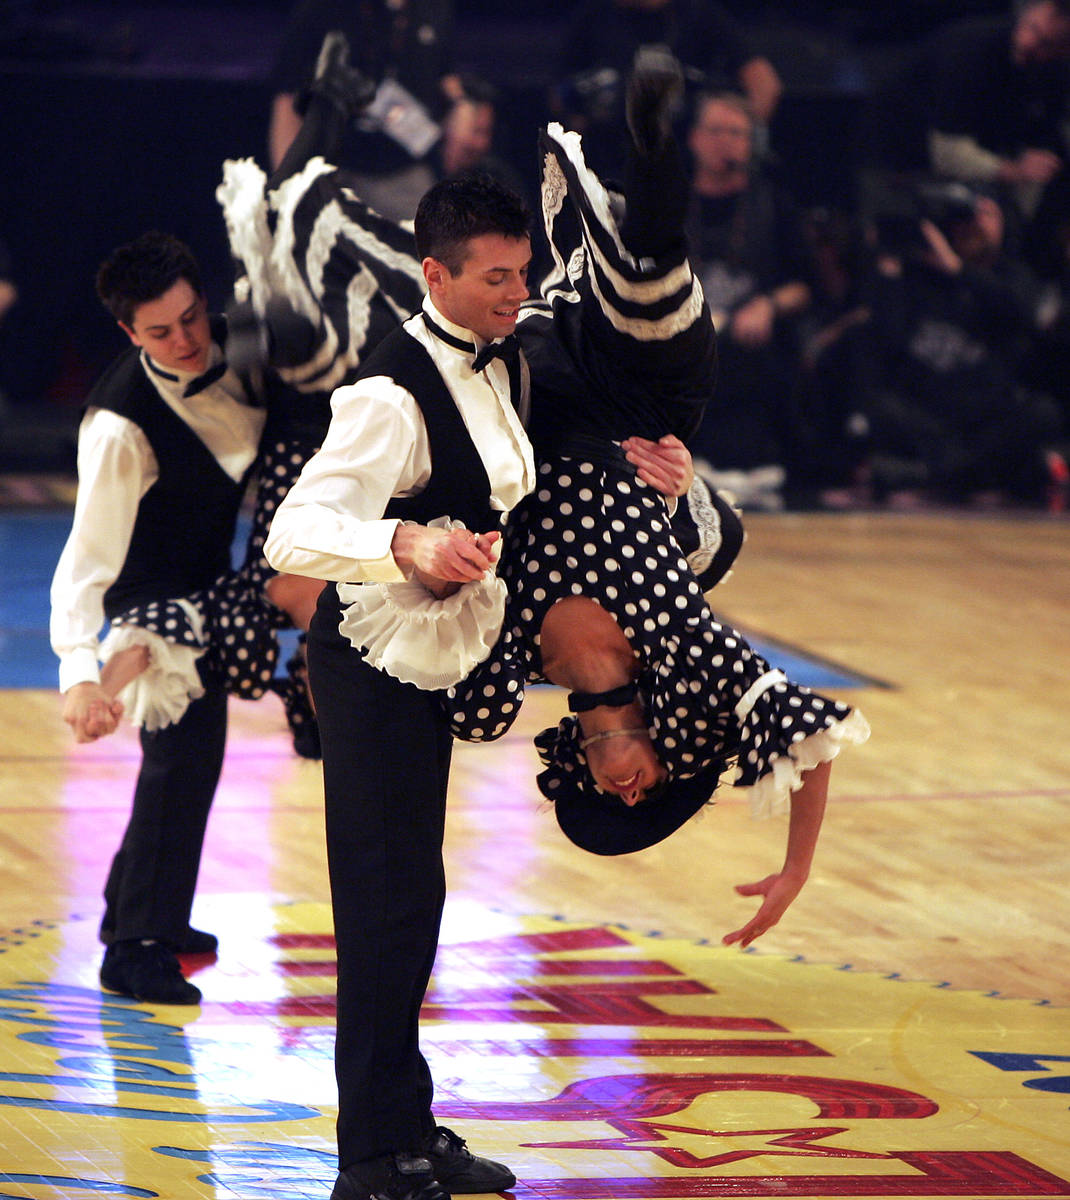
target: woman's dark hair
142 270
457 210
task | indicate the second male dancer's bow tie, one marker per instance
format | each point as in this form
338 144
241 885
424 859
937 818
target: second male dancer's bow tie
508 350
206 380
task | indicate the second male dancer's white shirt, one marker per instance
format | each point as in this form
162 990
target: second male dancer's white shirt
116 467
330 525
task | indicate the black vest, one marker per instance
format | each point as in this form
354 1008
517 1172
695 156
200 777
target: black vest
458 486
185 521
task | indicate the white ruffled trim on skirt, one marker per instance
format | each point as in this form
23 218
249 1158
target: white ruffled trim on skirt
410 634
419 639
771 795
160 695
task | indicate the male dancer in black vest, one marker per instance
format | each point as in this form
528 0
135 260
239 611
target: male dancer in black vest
428 431
164 449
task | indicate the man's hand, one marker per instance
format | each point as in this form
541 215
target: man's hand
938 252
778 892
1031 166
440 556
752 323
90 711
664 464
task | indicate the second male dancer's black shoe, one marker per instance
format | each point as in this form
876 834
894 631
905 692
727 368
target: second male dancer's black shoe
147 970
392 1177
458 1169
655 88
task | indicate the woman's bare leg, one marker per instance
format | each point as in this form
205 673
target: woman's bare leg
124 667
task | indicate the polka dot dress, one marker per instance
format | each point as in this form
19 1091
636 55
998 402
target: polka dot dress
239 624
597 531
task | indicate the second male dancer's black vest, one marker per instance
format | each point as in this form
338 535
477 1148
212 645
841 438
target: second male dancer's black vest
458 486
185 521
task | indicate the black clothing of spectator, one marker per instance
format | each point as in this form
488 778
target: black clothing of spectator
938 384
410 43
743 246
963 81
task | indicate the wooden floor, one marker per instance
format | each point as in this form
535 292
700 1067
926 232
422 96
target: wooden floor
941 879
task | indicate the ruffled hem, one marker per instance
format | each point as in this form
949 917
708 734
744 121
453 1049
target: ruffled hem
160 695
419 639
771 795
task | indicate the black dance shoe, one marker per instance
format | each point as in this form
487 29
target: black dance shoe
655 88
146 970
348 89
459 1170
393 1177
197 941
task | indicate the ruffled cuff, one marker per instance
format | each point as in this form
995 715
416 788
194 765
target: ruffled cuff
771 795
410 634
160 695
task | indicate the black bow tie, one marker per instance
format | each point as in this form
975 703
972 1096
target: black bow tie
206 380
508 350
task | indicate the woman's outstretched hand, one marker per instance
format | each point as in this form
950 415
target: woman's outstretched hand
778 892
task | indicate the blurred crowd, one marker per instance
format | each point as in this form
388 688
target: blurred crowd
904 347
907 348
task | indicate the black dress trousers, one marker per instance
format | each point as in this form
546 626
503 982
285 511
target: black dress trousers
149 891
386 756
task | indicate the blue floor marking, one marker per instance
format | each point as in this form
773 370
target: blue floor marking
30 546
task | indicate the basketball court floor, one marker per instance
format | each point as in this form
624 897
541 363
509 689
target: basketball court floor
905 1031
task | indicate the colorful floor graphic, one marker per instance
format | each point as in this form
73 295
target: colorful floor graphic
596 1061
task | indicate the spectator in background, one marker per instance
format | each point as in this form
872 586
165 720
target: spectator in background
827 429
9 293
467 144
951 314
406 47
601 42
1045 366
746 247
981 101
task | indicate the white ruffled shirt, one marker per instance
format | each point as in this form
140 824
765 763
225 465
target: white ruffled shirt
116 467
330 525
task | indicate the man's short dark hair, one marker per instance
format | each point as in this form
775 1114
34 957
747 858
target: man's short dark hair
142 270
457 210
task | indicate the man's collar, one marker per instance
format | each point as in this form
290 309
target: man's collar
176 379
448 331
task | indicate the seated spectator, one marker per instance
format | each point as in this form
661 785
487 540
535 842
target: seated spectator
1045 365
9 293
951 312
745 243
826 427
981 101
406 48
467 143
601 42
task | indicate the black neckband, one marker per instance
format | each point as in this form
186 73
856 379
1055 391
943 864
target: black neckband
579 702
447 337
